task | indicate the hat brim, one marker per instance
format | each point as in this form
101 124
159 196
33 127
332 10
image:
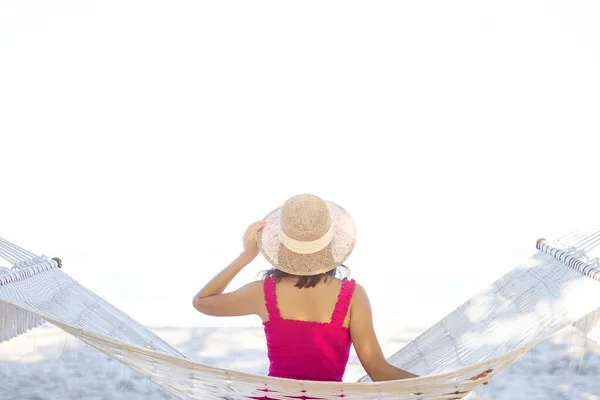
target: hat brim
332 256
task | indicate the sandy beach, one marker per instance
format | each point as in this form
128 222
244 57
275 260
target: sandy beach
47 363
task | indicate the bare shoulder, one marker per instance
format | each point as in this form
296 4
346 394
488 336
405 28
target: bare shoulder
360 288
257 295
252 293
255 285
360 309
254 289
360 295
244 301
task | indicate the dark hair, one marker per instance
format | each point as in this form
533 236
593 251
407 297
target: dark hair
307 281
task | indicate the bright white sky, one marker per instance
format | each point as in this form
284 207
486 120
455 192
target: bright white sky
140 138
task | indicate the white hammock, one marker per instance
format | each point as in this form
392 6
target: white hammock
556 287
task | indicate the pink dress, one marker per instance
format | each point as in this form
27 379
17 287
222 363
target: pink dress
306 350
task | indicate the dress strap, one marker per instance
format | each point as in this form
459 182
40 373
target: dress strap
269 285
343 303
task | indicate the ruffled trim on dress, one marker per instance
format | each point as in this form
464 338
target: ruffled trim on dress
343 303
269 287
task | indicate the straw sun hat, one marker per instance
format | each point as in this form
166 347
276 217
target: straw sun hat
307 236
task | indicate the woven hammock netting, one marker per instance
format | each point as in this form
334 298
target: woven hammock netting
558 286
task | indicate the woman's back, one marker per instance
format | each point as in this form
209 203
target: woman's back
310 303
307 330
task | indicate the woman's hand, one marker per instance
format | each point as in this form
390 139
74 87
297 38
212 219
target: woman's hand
482 375
247 300
249 240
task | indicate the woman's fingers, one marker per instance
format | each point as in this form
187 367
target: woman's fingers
481 375
249 239
253 229
257 226
248 230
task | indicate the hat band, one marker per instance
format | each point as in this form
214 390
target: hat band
300 247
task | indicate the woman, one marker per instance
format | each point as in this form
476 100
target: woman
311 317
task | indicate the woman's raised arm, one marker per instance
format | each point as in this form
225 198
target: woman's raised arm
246 300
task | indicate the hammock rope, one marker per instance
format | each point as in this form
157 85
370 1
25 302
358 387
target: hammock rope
558 286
